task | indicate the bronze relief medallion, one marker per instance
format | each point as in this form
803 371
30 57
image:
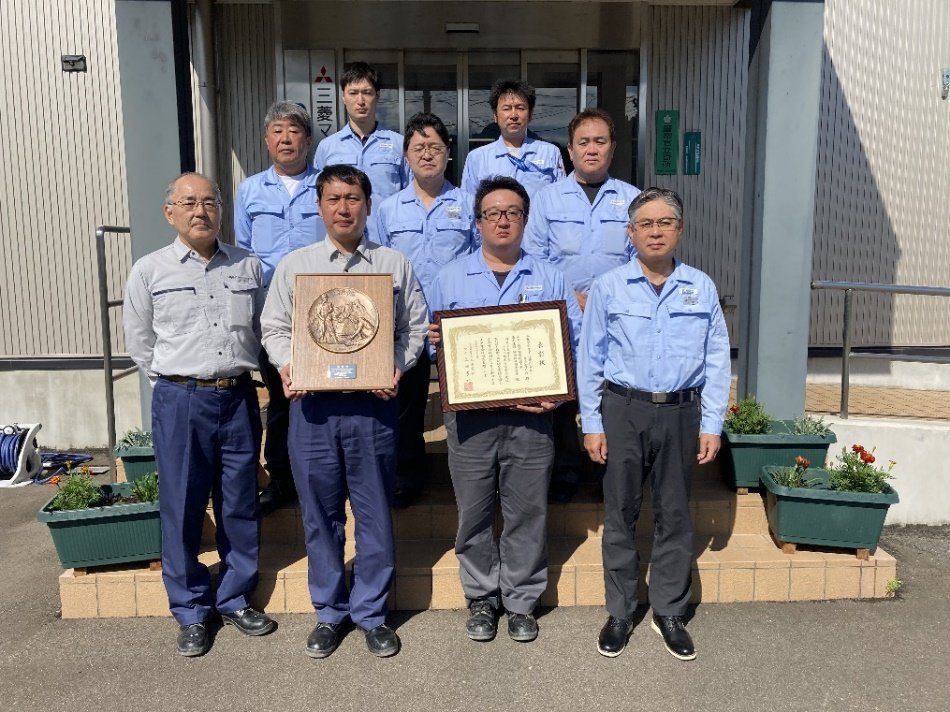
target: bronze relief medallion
342 320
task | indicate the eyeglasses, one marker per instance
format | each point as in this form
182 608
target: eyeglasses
661 223
433 150
493 215
209 205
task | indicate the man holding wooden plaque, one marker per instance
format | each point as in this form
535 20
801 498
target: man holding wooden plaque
494 446
343 320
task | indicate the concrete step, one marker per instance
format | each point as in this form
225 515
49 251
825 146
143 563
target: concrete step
746 567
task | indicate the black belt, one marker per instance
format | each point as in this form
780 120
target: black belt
221 384
684 396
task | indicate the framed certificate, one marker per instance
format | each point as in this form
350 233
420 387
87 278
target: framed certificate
518 354
342 337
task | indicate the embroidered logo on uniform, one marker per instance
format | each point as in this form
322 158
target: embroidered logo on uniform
538 161
534 288
690 296
454 211
618 202
386 145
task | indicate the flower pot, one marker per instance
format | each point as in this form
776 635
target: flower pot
822 516
743 456
137 461
116 534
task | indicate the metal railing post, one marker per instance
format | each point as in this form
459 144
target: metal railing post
846 352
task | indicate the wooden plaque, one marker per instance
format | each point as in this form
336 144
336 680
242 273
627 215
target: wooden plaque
517 354
343 327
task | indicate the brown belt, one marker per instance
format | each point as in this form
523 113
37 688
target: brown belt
684 396
221 384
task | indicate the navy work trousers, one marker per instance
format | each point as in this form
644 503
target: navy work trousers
345 443
207 442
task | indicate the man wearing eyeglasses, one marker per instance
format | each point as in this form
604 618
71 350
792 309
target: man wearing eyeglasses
653 375
363 143
275 212
432 223
503 450
579 225
191 319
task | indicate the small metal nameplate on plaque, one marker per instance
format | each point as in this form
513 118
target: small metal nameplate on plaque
341 371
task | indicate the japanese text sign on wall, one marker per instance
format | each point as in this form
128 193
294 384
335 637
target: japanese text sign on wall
667 142
323 71
692 152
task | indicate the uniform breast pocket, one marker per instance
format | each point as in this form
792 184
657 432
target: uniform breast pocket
566 232
613 232
405 234
241 301
176 310
689 325
386 164
266 220
451 239
632 320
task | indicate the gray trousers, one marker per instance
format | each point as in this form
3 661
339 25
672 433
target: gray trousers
656 443
509 453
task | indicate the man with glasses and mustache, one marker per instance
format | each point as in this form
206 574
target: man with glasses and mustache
579 225
432 223
653 375
191 319
503 450
275 212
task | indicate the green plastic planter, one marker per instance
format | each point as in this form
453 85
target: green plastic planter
117 534
744 456
823 516
137 461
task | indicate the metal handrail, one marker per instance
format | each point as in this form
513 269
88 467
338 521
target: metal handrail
849 288
104 305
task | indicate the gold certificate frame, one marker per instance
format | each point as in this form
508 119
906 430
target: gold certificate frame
342 333
516 354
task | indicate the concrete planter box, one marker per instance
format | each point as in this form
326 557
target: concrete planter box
137 461
823 516
100 536
744 456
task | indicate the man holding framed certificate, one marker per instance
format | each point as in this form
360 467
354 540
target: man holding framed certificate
343 442
504 449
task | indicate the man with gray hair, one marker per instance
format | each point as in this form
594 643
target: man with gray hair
653 377
191 317
275 212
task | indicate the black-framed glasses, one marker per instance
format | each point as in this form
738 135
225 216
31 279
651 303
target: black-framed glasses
493 215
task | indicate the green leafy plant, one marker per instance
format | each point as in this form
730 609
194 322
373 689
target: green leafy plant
892 587
136 437
795 476
145 489
809 425
77 491
747 417
855 471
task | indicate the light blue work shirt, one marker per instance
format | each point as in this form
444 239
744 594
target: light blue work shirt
379 157
270 222
429 238
583 239
537 164
470 282
658 343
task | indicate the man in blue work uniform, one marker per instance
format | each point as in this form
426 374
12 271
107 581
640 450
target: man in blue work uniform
530 161
191 323
431 222
580 225
275 212
344 443
653 375
363 143
503 450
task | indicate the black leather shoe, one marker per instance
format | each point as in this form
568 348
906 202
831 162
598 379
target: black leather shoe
404 497
276 496
673 631
522 627
382 641
250 622
323 639
483 623
614 636
193 640
561 492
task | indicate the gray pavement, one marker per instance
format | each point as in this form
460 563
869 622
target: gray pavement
840 655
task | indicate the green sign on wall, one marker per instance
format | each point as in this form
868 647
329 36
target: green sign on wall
692 152
667 142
